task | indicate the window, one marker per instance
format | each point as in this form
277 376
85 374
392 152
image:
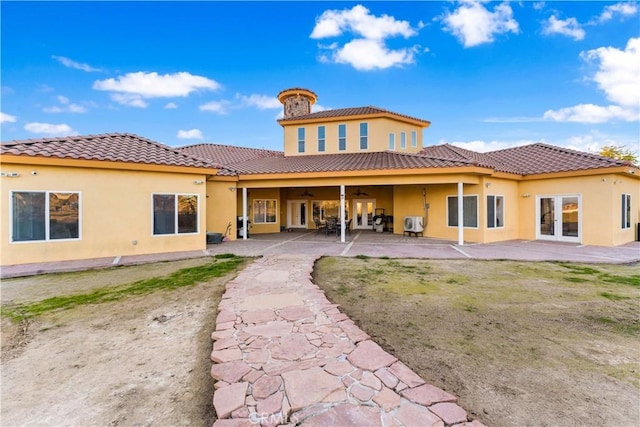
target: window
403 140
626 211
364 136
470 207
173 212
414 138
45 215
264 211
321 138
323 209
392 141
342 137
300 140
495 211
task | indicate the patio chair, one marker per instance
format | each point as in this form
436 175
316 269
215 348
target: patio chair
320 225
331 227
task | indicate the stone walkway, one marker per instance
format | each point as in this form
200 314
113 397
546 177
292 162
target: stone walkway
284 355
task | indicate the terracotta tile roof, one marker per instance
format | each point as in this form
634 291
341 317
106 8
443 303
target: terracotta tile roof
227 155
544 158
526 160
451 152
353 111
113 147
342 162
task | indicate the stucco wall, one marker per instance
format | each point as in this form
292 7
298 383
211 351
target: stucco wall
600 206
115 212
378 134
221 207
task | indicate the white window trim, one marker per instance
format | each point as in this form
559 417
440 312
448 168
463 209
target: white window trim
253 205
495 196
403 140
324 140
303 140
414 138
361 136
392 141
47 219
477 211
625 208
345 136
175 233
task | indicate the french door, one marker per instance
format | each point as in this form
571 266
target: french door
297 214
363 213
559 218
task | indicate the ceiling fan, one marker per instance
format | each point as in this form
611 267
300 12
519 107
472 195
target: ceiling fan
359 193
305 193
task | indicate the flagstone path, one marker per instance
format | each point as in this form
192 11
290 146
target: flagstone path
284 355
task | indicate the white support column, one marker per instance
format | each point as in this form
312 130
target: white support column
244 214
342 211
460 214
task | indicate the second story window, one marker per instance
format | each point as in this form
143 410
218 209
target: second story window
300 140
414 138
342 137
392 141
321 138
364 136
403 140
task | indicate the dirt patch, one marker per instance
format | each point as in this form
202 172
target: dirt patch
141 360
540 344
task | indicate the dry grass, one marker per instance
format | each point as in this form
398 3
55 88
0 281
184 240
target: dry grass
521 343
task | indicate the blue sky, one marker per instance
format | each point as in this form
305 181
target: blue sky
488 75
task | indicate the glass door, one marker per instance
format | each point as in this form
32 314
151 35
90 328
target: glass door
297 214
363 217
558 218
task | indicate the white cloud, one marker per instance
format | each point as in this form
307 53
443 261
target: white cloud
219 107
590 113
623 10
590 142
618 72
473 24
73 64
154 85
171 106
190 134
7 118
65 107
50 129
359 21
568 27
129 99
539 5
617 75
367 50
261 102
365 55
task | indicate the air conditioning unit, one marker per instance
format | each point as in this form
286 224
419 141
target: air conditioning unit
413 224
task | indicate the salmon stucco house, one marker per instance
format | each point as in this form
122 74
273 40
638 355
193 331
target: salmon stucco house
111 195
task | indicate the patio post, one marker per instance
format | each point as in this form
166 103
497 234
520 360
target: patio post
244 213
342 210
460 214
